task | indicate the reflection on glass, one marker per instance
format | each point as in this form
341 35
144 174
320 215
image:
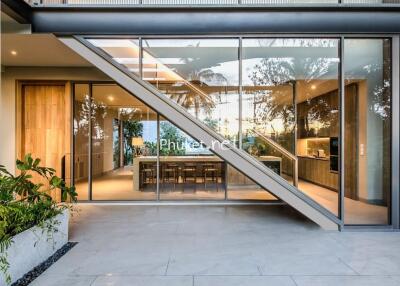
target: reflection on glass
285 80
367 131
81 140
202 75
123 51
124 135
188 169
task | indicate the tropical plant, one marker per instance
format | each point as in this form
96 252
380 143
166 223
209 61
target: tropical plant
131 128
24 203
174 138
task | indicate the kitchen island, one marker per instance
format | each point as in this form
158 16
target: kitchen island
232 176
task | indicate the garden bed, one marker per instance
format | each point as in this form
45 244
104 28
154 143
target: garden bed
35 245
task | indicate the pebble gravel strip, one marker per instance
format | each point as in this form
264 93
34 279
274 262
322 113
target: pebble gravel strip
35 272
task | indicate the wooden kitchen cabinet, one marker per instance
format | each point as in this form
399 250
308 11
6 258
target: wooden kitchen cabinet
316 170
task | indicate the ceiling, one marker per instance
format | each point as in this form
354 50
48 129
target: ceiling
38 50
111 95
5 19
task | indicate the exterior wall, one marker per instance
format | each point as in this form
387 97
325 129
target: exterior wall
9 78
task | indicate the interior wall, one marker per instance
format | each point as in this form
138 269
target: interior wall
108 164
362 141
102 141
9 79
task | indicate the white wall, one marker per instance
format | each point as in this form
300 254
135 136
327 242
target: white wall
9 77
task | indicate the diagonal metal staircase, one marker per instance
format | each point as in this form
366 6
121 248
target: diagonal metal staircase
238 158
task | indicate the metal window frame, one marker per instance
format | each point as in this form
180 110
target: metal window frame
394 218
341 134
157 198
393 206
395 201
72 167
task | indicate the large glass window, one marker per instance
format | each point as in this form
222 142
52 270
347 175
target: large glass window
123 51
124 130
290 102
81 140
190 171
367 141
289 92
123 143
202 75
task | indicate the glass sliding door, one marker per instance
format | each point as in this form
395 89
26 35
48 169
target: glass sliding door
367 142
124 132
115 140
290 101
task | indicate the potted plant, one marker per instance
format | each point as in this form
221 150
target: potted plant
32 224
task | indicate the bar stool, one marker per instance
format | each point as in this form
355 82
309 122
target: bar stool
169 171
189 170
212 170
148 173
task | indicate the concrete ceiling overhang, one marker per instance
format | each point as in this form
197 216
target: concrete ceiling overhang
40 50
19 10
206 21
197 20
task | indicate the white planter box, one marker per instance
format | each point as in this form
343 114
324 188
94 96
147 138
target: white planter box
33 246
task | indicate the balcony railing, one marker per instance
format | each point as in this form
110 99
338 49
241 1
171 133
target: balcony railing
203 2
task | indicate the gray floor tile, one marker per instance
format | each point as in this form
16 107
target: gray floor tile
345 281
125 261
293 264
62 280
374 265
143 281
68 263
122 244
243 281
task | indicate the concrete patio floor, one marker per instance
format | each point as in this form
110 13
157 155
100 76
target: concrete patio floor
218 245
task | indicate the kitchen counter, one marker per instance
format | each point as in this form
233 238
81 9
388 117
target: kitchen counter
317 171
315 158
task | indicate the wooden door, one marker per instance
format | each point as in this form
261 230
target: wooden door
45 126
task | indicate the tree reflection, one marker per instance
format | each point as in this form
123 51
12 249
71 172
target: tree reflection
97 111
195 82
207 86
277 79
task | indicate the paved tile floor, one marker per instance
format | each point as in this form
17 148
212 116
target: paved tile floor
218 245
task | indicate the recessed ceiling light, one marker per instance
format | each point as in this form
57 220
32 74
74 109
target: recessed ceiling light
313 87
14 53
110 98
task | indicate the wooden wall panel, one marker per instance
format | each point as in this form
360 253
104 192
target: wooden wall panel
45 125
